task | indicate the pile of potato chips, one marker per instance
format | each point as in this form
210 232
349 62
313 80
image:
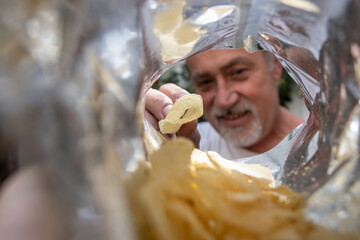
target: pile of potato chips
185 193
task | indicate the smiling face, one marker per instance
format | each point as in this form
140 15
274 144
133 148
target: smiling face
239 93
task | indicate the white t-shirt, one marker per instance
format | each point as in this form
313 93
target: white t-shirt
212 141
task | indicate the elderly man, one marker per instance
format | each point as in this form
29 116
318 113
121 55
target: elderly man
240 99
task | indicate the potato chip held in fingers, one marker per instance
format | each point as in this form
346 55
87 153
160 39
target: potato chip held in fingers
186 109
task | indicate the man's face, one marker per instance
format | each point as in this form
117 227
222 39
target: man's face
239 93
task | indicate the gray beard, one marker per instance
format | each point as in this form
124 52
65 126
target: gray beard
245 135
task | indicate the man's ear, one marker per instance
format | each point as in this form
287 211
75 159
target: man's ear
277 69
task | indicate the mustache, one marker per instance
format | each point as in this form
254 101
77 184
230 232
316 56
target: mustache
240 107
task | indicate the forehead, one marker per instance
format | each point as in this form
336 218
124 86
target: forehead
221 58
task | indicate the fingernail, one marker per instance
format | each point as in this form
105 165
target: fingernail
166 110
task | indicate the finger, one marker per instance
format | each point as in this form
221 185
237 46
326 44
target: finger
196 139
154 123
152 120
189 130
157 103
173 91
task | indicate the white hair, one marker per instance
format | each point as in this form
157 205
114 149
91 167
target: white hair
270 59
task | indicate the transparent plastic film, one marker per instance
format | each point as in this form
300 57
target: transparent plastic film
72 80
317 43
70 75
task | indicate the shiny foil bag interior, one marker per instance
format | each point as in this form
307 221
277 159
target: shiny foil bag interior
73 74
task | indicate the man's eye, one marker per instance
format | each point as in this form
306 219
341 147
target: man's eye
239 74
238 71
204 82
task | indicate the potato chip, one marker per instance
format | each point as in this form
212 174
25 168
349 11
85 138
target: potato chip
186 109
191 194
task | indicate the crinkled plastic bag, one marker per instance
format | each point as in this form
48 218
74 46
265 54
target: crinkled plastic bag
73 74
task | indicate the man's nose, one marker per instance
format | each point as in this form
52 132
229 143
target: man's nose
226 96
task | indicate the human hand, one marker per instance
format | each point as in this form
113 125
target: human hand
158 104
